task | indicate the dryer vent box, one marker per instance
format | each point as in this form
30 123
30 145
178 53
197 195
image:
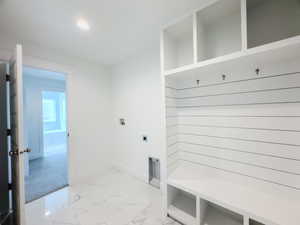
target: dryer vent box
154 172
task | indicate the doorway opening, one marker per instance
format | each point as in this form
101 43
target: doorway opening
45 128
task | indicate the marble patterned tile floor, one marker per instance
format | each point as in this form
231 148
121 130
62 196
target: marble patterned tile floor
115 198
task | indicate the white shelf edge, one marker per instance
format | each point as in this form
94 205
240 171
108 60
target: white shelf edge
220 203
289 42
204 63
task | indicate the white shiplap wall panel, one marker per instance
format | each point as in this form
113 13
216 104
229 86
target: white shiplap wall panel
244 125
280 123
267 149
170 121
170 102
172 150
265 136
173 159
235 74
288 180
274 110
171 140
255 160
248 85
270 97
172 166
171 112
171 131
171 92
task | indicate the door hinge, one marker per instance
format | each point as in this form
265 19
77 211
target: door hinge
7 77
8 132
10 186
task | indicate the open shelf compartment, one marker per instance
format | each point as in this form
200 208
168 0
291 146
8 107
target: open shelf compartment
253 222
212 214
182 206
178 44
219 29
270 21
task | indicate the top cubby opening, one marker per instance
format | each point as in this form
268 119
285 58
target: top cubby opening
269 21
226 27
219 29
178 44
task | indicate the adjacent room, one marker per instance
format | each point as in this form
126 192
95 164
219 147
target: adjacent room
150 112
46 132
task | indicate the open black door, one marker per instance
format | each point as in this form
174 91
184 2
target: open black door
4 174
12 197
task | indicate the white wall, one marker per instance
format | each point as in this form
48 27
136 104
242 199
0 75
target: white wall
137 97
89 91
131 90
89 98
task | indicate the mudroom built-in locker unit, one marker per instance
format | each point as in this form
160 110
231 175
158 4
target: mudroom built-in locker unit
231 72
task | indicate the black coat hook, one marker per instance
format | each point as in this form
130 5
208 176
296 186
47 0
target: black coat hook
257 71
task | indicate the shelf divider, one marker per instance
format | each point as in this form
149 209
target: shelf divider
195 37
244 24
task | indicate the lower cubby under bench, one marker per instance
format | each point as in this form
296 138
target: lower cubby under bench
215 202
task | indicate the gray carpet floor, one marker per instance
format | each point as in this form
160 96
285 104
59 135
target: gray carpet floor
46 175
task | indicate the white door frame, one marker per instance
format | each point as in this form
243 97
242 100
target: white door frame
17 145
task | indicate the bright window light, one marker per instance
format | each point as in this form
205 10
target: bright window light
54 111
49 110
83 24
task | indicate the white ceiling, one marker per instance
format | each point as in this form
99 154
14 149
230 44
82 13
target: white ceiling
119 28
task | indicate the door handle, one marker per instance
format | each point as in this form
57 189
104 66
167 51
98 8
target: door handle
15 153
26 150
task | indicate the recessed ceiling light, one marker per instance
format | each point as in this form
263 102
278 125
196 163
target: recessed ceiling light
83 24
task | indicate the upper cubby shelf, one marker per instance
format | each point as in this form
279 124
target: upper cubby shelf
218 30
228 33
178 44
270 21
